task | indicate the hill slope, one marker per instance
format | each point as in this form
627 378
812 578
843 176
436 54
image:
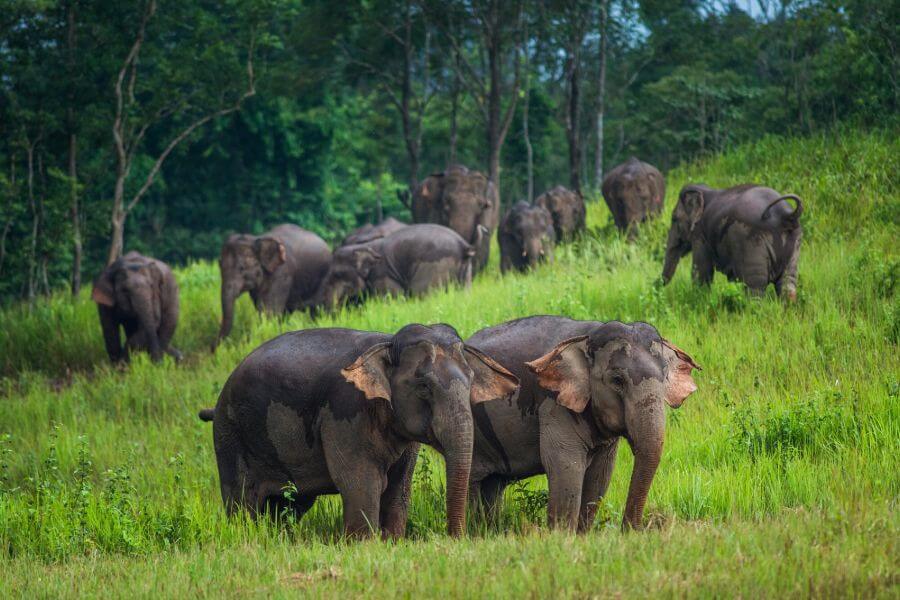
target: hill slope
780 475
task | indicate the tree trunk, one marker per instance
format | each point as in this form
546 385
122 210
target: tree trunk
32 251
75 281
454 108
529 151
601 95
572 112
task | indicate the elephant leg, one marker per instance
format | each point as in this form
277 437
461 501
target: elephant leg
360 480
395 499
565 478
596 482
702 270
111 336
386 286
492 496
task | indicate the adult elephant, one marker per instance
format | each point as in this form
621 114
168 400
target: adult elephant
139 295
526 237
411 261
462 200
369 232
343 411
634 192
748 232
281 269
567 209
584 385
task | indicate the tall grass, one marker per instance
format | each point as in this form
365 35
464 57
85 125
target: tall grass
792 438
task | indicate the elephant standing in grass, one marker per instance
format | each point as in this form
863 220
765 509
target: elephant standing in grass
748 232
281 269
368 232
343 411
140 295
411 261
584 384
634 192
526 237
463 200
567 210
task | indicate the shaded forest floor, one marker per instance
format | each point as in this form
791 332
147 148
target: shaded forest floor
780 475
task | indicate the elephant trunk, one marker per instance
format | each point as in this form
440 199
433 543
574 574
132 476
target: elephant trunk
674 251
646 432
230 291
148 320
455 437
534 252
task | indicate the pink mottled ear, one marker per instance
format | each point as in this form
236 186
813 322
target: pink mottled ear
103 292
491 380
679 384
566 370
369 372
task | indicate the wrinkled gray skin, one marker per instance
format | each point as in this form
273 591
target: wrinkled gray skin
567 209
343 411
634 192
462 200
281 269
411 261
584 384
140 295
748 232
368 232
526 237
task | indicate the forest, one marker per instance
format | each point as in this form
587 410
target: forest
162 126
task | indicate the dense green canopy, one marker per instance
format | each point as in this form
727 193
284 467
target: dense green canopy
182 121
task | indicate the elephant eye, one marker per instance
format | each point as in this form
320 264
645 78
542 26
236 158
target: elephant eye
617 380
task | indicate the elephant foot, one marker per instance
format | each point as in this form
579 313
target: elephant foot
176 354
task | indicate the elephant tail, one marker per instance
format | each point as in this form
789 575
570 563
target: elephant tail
794 218
207 414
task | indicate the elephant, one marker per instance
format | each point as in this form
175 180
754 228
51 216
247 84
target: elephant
526 237
461 200
410 261
343 411
748 232
140 295
567 209
281 269
634 192
583 385
369 232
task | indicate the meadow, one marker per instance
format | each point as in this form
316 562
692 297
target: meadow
780 476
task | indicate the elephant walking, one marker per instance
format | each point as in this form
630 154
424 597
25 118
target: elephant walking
567 210
634 192
413 260
526 237
140 295
343 411
748 232
463 200
583 385
281 269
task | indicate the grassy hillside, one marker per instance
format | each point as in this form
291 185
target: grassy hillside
780 475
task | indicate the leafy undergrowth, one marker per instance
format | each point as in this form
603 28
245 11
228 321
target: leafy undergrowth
780 475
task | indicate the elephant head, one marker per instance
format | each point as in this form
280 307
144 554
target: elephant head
346 277
687 213
465 202
566 208
245 263
132 286
530 229
431 380
625 375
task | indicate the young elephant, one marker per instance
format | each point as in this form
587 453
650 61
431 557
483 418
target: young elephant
584 384
748 232
368 232
634 192
140 295
281 269
567 209
526 237
412 261
342 411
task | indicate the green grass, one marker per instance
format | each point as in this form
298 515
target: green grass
780 475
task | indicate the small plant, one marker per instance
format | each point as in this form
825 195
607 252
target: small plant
531 503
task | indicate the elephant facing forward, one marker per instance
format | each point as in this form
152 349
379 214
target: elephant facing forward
140 295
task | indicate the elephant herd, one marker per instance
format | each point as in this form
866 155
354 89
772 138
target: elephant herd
344 411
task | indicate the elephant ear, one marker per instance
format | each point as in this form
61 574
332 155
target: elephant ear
104 292
370 373
679 383
491 380
271 253
364 258
566 370
692 203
